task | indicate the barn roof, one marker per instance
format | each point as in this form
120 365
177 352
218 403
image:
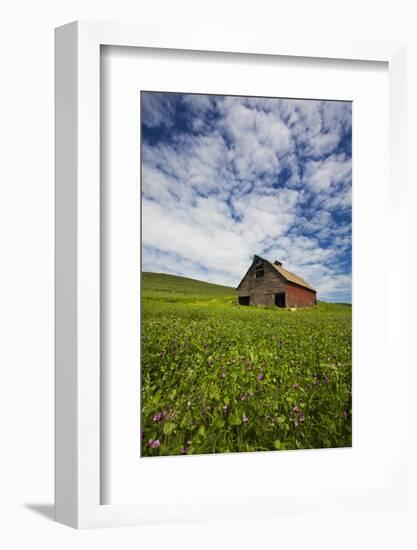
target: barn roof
288 275
291 277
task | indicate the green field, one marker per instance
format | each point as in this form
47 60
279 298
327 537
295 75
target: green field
217 377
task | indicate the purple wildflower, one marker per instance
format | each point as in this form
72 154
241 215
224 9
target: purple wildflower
345 415
184 450
158 417
226 409
150 441
156 444
294 386
297 415
261 376
245 419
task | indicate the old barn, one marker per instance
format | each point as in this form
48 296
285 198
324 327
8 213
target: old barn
268 284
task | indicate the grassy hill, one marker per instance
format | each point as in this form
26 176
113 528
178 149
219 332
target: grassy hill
218 377
171 289
161 284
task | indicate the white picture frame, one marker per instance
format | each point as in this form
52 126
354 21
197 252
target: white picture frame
77 421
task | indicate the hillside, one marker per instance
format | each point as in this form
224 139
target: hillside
160 286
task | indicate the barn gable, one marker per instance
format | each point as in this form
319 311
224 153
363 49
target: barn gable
262 264
267 283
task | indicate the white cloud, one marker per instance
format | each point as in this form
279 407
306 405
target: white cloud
317 125
157 109
320 176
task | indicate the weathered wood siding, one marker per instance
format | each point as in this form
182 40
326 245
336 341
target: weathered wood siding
262 290
299 297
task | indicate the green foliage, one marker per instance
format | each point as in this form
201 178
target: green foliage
217 377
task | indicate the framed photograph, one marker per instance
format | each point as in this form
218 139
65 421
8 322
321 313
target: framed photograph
228 212
238 354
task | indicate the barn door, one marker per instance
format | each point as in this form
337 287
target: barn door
280 299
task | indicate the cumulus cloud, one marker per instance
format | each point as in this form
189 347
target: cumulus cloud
224 178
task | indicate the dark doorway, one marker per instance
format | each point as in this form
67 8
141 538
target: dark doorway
280 299
244 300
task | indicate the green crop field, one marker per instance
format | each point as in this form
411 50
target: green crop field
218 378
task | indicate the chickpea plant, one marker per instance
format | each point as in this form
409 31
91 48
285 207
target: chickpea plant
217 377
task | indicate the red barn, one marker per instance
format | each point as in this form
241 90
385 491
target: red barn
268 284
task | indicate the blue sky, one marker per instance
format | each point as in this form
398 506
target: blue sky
226 177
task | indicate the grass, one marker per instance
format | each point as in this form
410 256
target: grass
217 377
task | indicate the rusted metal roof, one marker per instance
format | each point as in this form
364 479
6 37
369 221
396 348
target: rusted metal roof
288 275
291 277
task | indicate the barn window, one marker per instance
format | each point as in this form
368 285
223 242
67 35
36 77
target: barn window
259 273
259 263
244 300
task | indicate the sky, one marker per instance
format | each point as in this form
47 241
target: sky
224 178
